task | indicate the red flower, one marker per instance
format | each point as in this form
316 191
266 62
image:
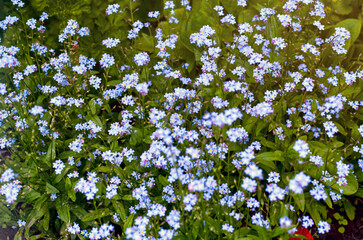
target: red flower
305 232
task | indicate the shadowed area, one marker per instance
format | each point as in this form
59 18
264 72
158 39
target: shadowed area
7 233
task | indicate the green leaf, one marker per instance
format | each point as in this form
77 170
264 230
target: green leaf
163 180
202 14
341 128
269 156
350 91
230 6
128 222
349 210
261 231
97 214
342 7
241 232
114 146
78 211
336 144
322 210
100 147
40 99
107 107
128 197
249 237
4 210
45 221
51 154
32 195
273 28
299 236
267 143
300 201
63 212
341 229
214 225
104 169
39 236
337 216
92 106
59 177
312 208
97 120
66 154
51 189
180 237
260 125
226 33
359 193
354 133
69 189
136 136
113 82
4 218
147 140
38 211
328 201
246 15
235 147
250 123
40 4
268 166
18 235
195 229
119 208
277 231
144 43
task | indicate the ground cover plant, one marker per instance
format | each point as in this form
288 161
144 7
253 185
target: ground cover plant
218 119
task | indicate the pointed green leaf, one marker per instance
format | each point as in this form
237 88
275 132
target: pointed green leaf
349 209
51 189
119 208
63 212
97 214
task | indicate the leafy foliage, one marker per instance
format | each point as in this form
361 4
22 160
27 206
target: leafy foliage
201 120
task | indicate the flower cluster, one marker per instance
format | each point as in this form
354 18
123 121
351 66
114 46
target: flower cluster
182 125
11 187
88 187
